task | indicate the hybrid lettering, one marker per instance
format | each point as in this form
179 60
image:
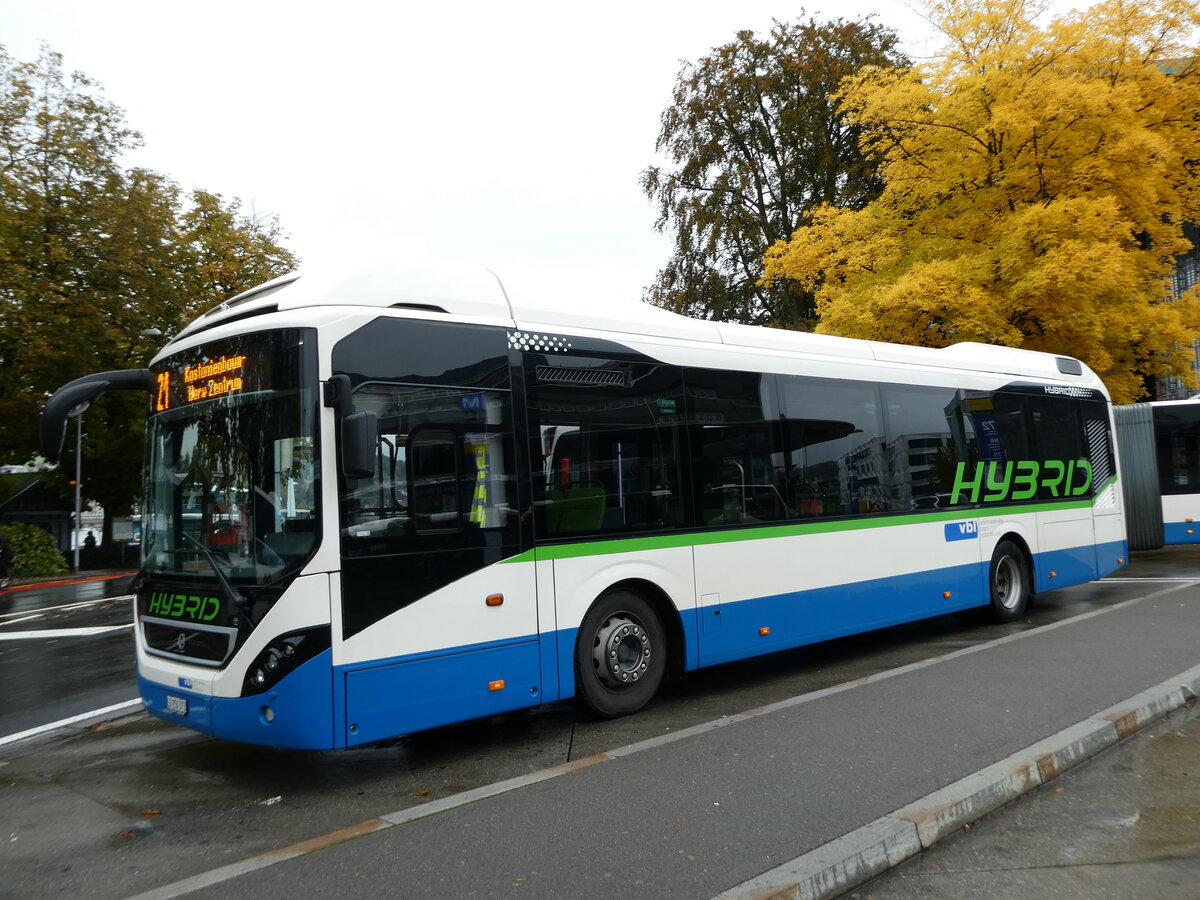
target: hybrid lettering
997 482
183 606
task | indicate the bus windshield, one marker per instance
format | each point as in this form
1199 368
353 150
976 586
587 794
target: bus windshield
232 479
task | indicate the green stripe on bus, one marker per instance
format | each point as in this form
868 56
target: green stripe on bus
600 546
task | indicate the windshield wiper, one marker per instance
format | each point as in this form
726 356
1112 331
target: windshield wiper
234 594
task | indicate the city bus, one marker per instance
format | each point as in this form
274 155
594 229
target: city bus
1160 469
379 502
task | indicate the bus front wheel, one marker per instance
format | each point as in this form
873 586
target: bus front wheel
1009 582
620 655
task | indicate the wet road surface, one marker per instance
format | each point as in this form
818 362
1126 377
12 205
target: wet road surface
65 649
138 802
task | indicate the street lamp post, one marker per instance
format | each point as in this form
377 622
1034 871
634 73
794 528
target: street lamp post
78 485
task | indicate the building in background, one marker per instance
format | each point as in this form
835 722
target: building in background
1187 273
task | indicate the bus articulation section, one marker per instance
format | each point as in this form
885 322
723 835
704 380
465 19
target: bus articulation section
378 502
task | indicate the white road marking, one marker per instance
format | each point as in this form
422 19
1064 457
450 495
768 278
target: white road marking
1164 580
60 632
81 605
73 720
24 619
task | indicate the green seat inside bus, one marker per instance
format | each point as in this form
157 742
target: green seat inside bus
575 509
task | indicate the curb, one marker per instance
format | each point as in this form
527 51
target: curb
29 584
847 862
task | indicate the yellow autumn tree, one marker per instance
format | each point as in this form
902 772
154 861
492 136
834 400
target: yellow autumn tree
1037 180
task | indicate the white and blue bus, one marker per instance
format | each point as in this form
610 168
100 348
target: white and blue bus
1160 469
378 503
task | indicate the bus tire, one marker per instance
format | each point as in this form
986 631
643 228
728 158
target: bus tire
1009 582
620 655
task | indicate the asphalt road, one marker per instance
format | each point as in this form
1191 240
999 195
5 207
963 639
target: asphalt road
65 649
138 804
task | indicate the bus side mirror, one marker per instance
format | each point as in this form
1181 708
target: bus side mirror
71 399
359 431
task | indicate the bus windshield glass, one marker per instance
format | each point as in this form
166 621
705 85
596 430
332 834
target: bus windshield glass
232 478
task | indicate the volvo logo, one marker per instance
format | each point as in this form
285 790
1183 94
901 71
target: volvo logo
179 645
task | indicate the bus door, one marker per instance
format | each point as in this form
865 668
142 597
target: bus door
439 620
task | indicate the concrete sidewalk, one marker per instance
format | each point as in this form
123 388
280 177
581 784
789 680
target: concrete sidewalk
805 798
1124 826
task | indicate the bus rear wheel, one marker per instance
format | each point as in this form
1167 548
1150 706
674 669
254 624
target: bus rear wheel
620 655
1009 581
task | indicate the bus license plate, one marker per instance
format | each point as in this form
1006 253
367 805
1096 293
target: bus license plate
177 705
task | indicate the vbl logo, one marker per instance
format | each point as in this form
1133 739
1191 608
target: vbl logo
962 531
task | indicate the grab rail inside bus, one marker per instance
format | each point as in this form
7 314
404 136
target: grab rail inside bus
74 397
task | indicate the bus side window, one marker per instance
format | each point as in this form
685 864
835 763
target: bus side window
436 472
735 436
836 449
443 466
606 446
929 431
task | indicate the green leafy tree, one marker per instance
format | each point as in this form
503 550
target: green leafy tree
34 551
92 256
1038 178
754 142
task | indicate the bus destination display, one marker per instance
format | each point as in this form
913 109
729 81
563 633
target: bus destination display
183 382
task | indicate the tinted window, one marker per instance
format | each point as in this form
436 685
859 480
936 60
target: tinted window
411 351
835 457
1177 438
1001 421
736 447
606 453
1057 428
443 467
1033 447
929 431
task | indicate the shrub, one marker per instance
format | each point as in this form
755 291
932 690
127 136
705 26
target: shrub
37 553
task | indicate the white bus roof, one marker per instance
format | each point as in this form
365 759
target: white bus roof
477 294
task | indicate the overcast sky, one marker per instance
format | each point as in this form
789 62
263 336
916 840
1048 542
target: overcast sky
504 134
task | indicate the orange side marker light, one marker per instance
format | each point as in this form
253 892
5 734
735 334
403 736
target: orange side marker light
495 599
764 631
497 685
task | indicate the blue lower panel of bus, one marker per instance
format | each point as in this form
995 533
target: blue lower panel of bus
1110 557
1075 565
297 713
766 624
782 621
406 695
1181 533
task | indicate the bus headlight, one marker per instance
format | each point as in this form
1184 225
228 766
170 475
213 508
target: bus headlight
284 654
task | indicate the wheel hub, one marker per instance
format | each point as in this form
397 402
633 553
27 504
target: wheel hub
1008 582
621 652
